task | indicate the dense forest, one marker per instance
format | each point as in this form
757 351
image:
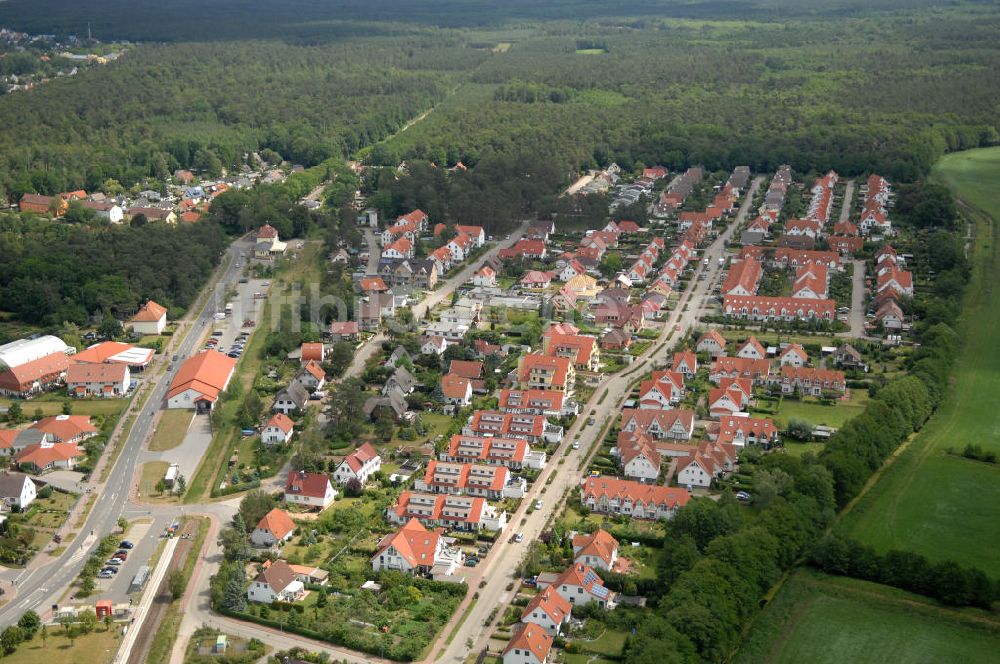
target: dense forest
160 106
853 90
51 272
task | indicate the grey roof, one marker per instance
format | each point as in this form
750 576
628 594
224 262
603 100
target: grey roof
296 392
402 379
394 400
397 355
11 484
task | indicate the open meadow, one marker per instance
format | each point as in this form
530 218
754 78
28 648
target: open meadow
818 619
929 501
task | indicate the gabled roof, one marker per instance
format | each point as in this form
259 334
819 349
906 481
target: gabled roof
42 454
65 428
278 575
754 344
455 387
466 368
414 543
151 312
311 485
532 638
359 457
313 368
281 421
207 372
96 373
600 544
551 603
277 522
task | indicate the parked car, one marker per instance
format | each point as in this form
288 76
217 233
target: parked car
538 504
104 574
576 445
114 561
125 544
519 538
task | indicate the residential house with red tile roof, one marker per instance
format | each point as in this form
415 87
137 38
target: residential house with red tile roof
529 249
639 459
510 452
663 389
713 343
598 549
359 465
150 319
415 550
789 257
757 371
34 376
399 249
97 380
472 479
548 610
793 355
898 281
45 456
609 495
309 489
733 395
580 585
466 513
743 278
533 428
711 460
543 372
278 430
276 583
675 424
685 363
751 349
536 279
550 403
810 381
810 282
740 431
486 277
276 526
457 390
530 644
372 285
763 308
580 349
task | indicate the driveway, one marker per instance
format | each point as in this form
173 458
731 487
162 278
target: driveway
857 315
188 453
845 208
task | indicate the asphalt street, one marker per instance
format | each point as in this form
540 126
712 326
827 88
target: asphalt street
38 588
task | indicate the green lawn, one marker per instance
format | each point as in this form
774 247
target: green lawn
98 646
817 413
798 449
52 404
943 506
170 429
819 619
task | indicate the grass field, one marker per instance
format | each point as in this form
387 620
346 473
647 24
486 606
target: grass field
817 413
820 619
51 404
152 472
98 646
170 430
939 505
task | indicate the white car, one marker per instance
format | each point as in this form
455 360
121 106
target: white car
220 316
519 538
576 445
538 504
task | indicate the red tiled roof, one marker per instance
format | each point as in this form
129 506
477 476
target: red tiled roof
66 428
277 522
281 421
649 494
532 638
454 386
151 312
311 485
413 542
207 372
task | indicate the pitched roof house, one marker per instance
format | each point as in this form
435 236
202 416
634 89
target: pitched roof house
276 526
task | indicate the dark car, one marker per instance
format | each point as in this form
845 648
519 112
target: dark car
125 544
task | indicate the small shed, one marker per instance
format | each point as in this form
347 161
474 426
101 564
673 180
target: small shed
103 608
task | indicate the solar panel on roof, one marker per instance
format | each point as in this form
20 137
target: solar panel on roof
600 592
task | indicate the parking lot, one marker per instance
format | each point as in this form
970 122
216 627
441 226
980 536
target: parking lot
247 305
145 536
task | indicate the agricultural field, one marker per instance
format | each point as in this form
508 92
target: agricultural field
929 501
815 618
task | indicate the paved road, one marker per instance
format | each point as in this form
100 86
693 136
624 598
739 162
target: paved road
374 253
465 274
501 563
845 208
857 315
39 587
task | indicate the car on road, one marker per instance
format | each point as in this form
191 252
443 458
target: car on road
125 544
519 538
219 316
576 445
538 504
